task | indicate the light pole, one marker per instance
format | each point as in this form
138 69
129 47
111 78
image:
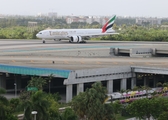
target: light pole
111 98
15 89
49 85
34 113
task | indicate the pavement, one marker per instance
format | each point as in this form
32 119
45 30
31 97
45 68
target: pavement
74 56
10 96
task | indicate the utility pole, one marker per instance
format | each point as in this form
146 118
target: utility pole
49 85
15 89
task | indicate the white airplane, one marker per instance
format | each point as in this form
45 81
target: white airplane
77 35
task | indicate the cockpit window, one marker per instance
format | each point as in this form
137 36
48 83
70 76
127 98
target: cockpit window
40 33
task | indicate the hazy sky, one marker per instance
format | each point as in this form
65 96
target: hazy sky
153 8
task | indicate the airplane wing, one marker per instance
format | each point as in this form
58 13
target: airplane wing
97 35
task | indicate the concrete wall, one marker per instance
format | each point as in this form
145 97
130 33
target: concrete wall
80 77
100 74
139 69
141 52
138 52
122 73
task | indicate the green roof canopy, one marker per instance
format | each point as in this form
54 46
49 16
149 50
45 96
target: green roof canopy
34 71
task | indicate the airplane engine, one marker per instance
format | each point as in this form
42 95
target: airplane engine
76 39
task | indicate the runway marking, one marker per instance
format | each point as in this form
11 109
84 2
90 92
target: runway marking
66 62
98 62
157 63
50 61
131 63
115 63
82 62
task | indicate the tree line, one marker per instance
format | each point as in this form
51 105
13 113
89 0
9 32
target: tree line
138 33
128 31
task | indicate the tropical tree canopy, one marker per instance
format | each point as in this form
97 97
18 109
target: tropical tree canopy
146 108
37 82
90 104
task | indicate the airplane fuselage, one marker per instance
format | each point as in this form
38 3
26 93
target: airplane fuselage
66 33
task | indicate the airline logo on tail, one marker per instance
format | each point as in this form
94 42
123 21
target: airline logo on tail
109 24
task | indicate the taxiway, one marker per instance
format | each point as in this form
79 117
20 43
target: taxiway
64 55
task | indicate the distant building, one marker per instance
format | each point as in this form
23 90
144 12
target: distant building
72 19
164 26
52 15
69 20
97 20
1 16
104 20
89 20
32 26
148 21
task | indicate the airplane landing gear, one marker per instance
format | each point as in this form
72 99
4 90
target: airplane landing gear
83 41
77 42
57 39
43 41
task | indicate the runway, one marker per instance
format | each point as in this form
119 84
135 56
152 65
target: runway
73 56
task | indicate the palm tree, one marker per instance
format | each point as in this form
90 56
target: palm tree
128 90
69 114
146 88
37 82
137 88
117 108
78 104
37 102
3 104
122 91
50 77
2 98
91 103
95 97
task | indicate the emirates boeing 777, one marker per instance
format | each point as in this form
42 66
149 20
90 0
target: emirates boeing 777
77 35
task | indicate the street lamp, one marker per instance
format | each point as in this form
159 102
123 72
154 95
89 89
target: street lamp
111 98
34 113
49 85
49 81
15 89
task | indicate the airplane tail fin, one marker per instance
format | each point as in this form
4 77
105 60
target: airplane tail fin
109 24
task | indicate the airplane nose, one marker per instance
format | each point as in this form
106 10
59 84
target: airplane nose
37 35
